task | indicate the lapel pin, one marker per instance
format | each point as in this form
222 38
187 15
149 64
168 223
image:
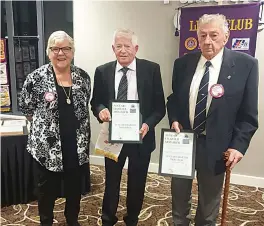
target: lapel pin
229 76
49 96
217 90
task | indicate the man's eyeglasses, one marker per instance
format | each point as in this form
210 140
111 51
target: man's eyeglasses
65 50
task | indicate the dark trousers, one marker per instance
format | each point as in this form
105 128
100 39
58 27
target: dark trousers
209 193
48 189
137 173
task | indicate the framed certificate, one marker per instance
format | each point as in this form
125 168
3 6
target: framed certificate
3 74
177 154
126 121
3 50
5 104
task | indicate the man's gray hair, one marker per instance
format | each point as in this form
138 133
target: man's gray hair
59 36
126 33
214 18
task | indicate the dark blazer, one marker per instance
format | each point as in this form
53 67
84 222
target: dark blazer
150 94
232 119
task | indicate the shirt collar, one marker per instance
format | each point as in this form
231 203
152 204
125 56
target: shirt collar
216 61
131 66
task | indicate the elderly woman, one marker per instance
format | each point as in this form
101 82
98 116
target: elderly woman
55 97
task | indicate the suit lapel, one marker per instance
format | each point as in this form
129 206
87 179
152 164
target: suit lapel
190 70
227 69
140 80
111 81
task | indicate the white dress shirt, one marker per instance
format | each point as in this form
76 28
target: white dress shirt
132 93
214 71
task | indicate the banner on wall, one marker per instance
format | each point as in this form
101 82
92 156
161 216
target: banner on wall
242 20
5 104
2 50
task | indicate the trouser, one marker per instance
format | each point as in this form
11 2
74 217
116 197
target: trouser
48 189
137 173
209 193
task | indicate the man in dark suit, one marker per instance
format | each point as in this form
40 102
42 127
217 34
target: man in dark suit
128 78
215 93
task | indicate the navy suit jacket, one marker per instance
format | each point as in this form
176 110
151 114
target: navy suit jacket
233 118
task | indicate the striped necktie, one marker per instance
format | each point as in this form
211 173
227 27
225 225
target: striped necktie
200 109
123 85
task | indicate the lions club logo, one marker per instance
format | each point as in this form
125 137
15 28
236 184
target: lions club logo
190 43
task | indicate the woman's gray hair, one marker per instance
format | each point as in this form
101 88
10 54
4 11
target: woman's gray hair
126 33
219 19
59 36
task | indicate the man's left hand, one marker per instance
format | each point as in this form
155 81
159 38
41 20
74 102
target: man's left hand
144 130
234 158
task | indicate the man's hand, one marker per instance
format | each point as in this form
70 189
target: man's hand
234 158
144 130
104 115
177 126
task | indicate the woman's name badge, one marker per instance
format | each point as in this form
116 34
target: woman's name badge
49 96
217 90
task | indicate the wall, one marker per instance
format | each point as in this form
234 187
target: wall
94 24
57 16
253 163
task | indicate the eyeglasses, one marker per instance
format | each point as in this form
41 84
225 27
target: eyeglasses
65 50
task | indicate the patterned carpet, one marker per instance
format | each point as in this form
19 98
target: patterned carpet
245 208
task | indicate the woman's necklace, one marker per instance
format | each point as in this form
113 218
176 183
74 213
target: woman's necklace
68 100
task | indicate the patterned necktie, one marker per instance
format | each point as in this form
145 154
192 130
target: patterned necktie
200 109
122 88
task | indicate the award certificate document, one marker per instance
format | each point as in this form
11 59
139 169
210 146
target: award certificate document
125 122
177 158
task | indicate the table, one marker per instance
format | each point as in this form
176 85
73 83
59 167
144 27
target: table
18 177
